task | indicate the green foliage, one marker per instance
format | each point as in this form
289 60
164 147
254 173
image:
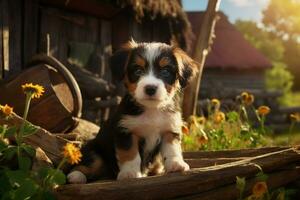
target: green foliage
17 180
279 78
235 131
263 193
283 18
277 37
271 46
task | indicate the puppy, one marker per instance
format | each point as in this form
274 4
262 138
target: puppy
145 131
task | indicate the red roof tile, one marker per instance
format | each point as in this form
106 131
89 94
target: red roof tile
230 49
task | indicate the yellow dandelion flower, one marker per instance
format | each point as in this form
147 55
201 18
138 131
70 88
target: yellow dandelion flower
219 117
244 96
6 110
295 117
263 110
72 153
201 120
35 90
259 189
202 139
215 102
247 98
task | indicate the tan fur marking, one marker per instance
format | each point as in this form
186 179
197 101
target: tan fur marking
130 154
170 88
164 62
182 58
131 87
140 61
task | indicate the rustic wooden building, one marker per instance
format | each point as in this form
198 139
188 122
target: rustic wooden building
82 34
94 26
232 65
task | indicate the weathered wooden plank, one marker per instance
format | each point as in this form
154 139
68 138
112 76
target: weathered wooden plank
5 37
232 153
12 24
275 180
49 143
1 39
30 30
188 183
206 162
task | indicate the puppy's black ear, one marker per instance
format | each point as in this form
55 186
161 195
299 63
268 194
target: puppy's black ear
187 66
119 60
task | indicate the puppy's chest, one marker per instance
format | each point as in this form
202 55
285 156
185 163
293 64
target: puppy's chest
152 124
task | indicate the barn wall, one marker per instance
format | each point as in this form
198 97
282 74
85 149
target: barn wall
218 82
11 36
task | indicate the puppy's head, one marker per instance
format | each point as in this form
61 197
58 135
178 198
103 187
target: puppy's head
152 72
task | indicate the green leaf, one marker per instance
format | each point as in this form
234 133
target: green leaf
10 132
3 146
58 177
29 129
26 190
260 176
16 177
43 172
3 129
29 149
24 163
9 152
240 185
232 116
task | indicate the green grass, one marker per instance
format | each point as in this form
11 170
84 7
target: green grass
234 130
290 99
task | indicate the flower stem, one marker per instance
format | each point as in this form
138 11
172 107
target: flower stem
26 109
290 132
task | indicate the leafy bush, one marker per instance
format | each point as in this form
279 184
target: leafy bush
17 179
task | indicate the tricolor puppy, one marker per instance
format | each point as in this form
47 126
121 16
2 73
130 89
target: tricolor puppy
144 135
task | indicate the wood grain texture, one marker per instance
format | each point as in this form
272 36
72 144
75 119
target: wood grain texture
192 182
30 29
49 143
1 40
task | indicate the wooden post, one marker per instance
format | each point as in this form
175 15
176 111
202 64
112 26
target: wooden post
203 42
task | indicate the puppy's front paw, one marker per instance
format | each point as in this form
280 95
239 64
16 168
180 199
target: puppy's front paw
176 164
76 177
129 173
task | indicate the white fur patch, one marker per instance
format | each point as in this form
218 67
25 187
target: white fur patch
172 154
153 50
153 122
130 169
76 177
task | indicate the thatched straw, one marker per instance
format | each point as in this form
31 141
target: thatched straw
168 9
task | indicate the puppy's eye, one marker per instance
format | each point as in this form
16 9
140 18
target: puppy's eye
138 72
165 73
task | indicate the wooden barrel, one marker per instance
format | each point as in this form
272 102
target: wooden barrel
61 103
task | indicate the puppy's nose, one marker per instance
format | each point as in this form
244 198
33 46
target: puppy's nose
150 89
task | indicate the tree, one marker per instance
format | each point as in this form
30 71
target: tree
282 18
266 42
